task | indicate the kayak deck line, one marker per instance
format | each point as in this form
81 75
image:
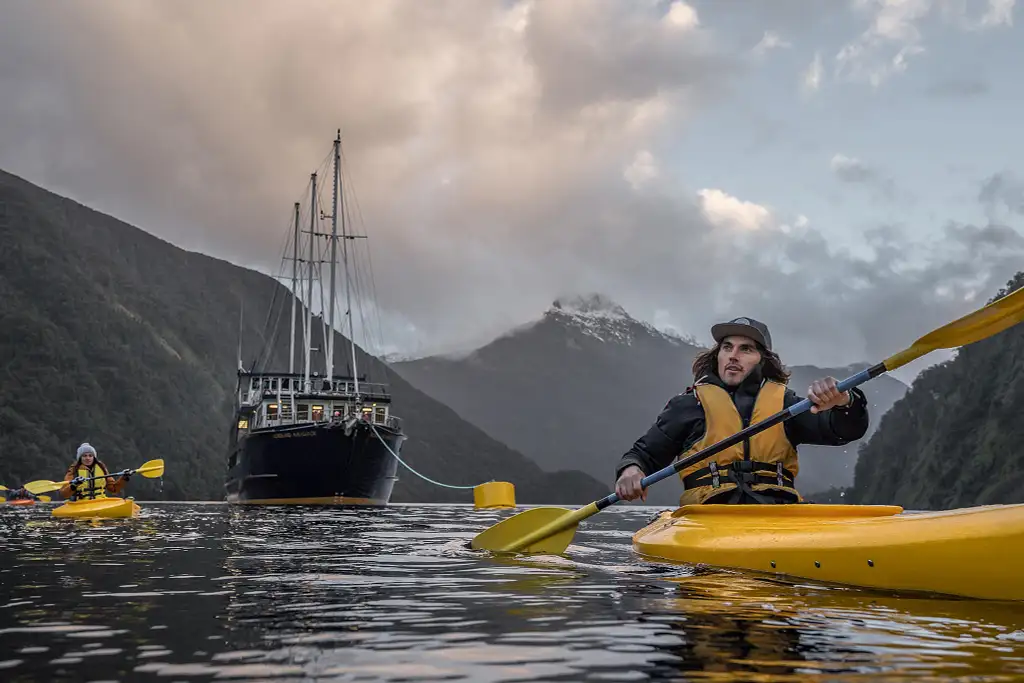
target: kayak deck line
975 552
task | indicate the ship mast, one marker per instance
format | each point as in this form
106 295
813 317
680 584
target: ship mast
334 259
348 288
309 307
295 291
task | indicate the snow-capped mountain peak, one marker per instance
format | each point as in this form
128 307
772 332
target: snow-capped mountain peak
597 315
590 305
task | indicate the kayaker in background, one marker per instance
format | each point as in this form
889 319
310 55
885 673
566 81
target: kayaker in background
85 466
20 494
739 382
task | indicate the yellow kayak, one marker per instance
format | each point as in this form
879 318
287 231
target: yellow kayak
972 552
98 507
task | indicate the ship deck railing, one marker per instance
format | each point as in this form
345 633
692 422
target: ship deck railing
272 383
285 421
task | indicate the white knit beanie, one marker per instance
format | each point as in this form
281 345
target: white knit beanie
86 448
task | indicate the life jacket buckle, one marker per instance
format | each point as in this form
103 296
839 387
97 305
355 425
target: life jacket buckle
715 478
742 472
778 473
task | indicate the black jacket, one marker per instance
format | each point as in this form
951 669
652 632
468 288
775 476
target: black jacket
681 424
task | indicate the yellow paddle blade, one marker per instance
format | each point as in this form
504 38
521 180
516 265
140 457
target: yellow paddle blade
997 316
43 486
3 488
517 527
45 499
152 469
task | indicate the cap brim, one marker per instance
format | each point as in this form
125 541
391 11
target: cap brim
723 330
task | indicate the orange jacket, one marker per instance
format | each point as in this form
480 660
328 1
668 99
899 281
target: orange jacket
94 487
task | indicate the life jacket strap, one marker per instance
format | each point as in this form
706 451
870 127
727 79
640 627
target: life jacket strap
744 473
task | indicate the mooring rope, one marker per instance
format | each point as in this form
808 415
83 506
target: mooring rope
421 476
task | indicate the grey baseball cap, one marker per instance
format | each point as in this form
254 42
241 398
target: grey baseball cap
747 327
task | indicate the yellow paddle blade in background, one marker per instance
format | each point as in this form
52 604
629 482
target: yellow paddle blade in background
519 526
985 322
151 469
43 486
45 499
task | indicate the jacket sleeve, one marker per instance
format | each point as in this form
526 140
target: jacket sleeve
65 490
834 427
114 485
671 434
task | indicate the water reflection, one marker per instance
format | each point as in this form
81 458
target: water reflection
203 592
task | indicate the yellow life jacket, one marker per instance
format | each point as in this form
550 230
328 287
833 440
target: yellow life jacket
770 465
94 488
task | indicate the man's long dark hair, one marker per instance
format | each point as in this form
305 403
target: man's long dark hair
771 365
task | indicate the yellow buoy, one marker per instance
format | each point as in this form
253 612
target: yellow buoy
494 494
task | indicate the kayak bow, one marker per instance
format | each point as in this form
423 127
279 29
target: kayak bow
973 552
98 507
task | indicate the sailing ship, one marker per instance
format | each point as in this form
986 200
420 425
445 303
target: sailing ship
313 437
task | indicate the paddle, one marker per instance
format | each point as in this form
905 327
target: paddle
150 470
550 529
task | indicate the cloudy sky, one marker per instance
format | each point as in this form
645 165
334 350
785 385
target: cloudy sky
849 172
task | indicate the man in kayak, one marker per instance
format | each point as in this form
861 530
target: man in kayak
79 477
739 382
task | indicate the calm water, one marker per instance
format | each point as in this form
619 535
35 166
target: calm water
207 592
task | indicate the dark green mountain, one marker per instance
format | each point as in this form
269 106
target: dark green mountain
112 336
956 439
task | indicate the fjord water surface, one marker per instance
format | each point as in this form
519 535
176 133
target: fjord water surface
211 592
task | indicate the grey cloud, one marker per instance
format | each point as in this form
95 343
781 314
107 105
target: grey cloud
487 145
1002 190
958 88
853 170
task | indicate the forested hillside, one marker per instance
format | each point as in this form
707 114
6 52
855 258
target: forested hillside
956 438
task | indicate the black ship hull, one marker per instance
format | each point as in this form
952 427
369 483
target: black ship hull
314 464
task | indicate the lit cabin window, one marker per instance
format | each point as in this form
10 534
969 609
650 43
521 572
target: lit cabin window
272 411
318 413
379 416
243 424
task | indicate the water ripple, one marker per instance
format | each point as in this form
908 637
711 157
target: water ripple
208 592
